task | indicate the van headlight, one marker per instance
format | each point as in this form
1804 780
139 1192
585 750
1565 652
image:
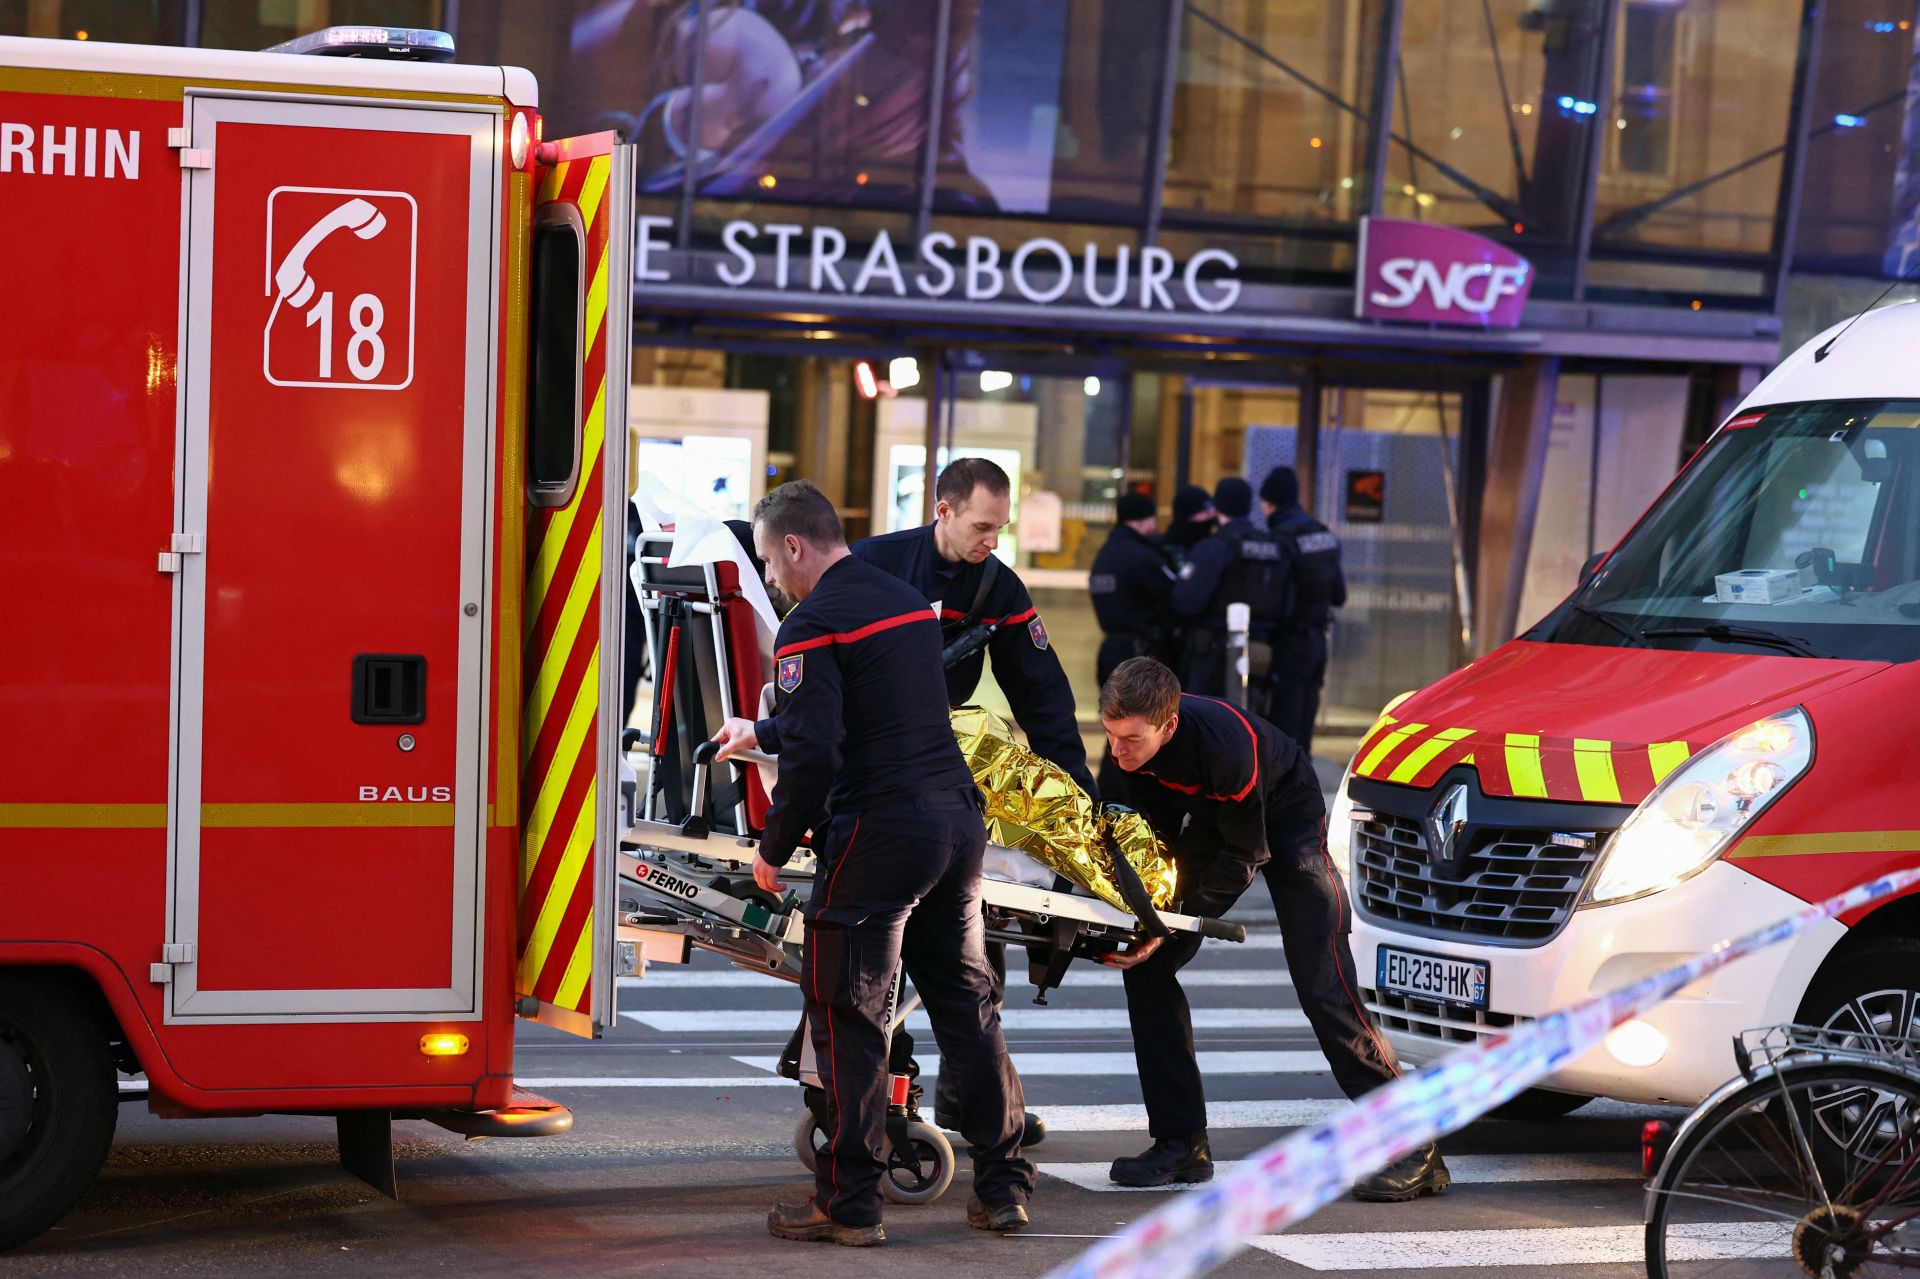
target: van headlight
1340 828
1340 816
1690 818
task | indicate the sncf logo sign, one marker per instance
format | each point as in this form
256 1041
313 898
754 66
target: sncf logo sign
1438 275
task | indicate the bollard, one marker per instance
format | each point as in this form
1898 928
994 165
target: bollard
1239 622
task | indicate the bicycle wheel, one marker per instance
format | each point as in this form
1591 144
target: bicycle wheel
1813 1171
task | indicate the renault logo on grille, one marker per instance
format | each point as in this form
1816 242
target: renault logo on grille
1445 821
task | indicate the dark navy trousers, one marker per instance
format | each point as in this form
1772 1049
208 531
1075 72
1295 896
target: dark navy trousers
1315 920
895 885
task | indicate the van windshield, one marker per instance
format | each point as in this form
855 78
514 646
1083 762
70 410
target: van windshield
1797 531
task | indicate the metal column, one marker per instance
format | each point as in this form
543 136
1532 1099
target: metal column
1793 165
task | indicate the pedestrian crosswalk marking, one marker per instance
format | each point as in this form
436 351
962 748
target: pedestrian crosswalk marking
1534 1248
1221 1115
783 1020
677 977
1103 1063
1466 1169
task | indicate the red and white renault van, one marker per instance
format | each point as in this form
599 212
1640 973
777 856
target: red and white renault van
1712 730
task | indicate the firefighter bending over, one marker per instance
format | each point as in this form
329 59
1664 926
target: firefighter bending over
869 764
1234 797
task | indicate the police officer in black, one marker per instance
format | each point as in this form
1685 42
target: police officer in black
1314 588
950 562
1132 588
1242 564
1234 797
871 767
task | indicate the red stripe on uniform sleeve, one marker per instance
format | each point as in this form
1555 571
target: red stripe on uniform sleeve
1252 737
851 637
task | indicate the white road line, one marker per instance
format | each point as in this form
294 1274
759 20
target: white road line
719 1083
1466 1169
1535 1249
1089 1064
783 1020
675 977
1220 1115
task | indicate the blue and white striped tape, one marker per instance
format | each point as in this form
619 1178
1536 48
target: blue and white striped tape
1290 1179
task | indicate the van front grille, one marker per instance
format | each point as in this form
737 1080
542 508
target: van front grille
1512 885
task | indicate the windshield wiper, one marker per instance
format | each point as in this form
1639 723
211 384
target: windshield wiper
1618 628
1721 633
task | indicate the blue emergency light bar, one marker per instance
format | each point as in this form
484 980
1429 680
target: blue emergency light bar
405 44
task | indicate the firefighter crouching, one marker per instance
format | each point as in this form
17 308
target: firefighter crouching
869 763
1132 588
1314 587
1233 797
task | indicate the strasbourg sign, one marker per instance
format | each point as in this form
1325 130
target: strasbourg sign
1438 275
940 266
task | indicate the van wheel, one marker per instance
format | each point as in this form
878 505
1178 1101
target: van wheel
1537 1105
59 1101
1873 994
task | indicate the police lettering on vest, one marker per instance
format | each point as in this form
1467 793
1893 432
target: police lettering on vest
1256 576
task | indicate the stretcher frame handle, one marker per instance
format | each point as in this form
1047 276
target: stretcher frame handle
1221 930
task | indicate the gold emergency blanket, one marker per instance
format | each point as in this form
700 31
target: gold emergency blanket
1034 806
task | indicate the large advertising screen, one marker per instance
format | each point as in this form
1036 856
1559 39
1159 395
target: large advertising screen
1044 109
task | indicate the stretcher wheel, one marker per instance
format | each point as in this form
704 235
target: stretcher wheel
807 1140
921 1173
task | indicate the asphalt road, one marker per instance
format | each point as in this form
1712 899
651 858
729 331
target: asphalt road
682 1142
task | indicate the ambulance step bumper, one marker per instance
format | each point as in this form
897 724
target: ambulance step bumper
530 1115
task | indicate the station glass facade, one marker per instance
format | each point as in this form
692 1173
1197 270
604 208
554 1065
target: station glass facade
1692 182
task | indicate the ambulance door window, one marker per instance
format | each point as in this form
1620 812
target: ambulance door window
553 435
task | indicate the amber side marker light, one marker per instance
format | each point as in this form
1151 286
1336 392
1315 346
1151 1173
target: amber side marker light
447 1045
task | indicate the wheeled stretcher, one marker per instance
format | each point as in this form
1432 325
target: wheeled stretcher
693 829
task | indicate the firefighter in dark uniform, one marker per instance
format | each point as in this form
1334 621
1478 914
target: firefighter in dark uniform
1315 587
1242 564
1132 588
871 767
946 562
1234 797
985 610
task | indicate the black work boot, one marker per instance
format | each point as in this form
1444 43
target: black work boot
805 1222
1172 1160
946 1113
999 1220
1408 1177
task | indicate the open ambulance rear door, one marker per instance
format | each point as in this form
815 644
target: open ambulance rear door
329 557
577 486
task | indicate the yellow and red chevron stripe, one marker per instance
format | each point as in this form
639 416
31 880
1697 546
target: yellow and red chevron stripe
1521 765
560 736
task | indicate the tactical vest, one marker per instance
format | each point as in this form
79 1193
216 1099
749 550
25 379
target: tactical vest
1315 580
1257 577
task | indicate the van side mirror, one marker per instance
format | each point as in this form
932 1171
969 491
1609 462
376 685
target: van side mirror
1592 566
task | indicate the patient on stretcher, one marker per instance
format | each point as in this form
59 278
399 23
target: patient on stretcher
1034 808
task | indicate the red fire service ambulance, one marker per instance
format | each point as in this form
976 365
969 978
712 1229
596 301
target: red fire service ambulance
312 465
1703 737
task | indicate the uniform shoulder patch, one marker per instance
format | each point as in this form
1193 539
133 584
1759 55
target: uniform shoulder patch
1037 631
792 671
1318 543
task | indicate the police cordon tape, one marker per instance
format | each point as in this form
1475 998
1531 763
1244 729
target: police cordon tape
1287 1181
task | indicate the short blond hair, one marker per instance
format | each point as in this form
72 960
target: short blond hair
1140 686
